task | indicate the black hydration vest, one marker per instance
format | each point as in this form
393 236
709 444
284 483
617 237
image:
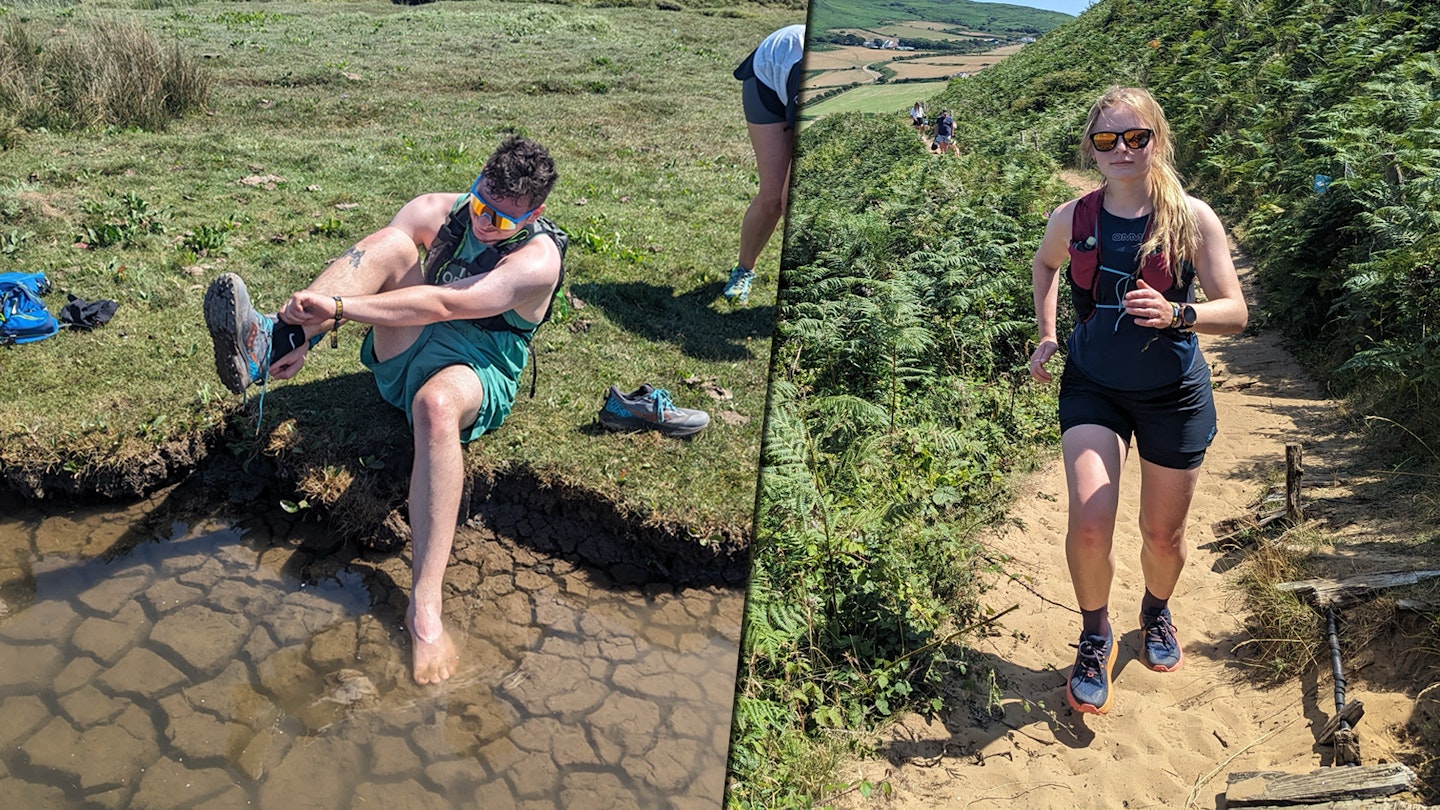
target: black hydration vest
444 265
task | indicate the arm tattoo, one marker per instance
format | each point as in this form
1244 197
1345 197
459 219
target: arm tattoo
355 254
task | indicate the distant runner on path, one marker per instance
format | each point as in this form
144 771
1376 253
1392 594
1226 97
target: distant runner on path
449 340
944 133
1135 246
771 96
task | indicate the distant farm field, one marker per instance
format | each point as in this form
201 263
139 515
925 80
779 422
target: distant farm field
845 56
879 98
945 66
914 29
838 78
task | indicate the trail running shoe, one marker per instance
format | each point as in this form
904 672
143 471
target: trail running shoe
1159 649
739 284
1088 688
240 334
649 408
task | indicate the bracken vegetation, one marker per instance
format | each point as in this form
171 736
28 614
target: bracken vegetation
899 407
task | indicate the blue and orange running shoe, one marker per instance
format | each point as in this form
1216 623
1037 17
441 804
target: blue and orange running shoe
1088 688
241 335
1159 649
738 287
649 408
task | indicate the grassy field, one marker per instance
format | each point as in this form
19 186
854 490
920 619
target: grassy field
945 66
841 58
325 118
914 29
881 14
877 98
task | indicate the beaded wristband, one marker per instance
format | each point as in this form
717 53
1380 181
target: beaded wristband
335 330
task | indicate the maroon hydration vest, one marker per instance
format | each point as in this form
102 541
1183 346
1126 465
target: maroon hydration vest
1084 250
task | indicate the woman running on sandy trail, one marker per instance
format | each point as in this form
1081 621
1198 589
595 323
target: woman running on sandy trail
1136 246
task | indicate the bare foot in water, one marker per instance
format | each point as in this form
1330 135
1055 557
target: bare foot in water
436 659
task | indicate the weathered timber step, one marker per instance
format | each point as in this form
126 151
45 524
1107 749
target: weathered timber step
1346 784
1351 804
1353 711
1327 593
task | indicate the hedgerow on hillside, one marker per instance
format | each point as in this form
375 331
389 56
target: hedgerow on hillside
1271 101
899 408
899 405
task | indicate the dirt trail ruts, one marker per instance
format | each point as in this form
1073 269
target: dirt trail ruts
1170 739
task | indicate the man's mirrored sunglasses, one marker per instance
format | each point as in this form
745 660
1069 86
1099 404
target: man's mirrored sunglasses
484 209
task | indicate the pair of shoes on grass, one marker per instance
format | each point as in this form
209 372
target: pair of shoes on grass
649 408
1088 687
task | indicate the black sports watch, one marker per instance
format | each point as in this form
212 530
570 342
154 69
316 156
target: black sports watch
1184 316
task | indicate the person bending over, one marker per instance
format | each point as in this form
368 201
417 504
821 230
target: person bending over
770 95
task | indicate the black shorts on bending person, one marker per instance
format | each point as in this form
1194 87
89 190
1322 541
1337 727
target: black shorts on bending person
762 105
1173 425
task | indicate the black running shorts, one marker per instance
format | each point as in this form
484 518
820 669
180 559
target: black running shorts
762 105
1173 425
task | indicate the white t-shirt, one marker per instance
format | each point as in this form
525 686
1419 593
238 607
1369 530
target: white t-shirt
777 54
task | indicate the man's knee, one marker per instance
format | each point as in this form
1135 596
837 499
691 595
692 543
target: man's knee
434 407
1094 533
451 399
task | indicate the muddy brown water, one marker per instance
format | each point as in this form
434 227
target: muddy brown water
223 661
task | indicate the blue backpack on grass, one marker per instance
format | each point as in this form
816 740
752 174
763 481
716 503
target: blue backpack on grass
23 316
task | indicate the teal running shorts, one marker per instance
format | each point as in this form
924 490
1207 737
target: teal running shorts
440 345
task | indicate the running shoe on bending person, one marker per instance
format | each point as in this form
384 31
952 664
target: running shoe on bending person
1159 649
739 284
649 408
1088 688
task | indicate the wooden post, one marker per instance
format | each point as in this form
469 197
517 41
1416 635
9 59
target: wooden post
1293 473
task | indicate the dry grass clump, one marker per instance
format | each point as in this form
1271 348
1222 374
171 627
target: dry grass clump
1286 634
97 73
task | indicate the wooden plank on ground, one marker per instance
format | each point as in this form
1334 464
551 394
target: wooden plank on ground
1353 711
1352 804
1341 592
1257 789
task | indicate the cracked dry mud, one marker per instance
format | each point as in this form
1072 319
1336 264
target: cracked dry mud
224 666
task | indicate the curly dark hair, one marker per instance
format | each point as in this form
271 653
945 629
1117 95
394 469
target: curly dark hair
520 169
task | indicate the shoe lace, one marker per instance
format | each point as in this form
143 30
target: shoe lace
263 347
1091 658
663 403
1158 630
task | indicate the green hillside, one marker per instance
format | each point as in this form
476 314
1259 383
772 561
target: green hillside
900 410
1263 97
993 18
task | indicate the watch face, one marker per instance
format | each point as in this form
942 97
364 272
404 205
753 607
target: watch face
1187 315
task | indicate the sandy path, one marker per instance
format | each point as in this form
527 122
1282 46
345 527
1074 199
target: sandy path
1171 738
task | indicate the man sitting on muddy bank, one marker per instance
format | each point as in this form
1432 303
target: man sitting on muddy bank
449 339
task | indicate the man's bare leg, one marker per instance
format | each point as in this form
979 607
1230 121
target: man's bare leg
384 260
447 401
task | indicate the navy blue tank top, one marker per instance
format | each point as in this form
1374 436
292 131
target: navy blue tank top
1106 344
